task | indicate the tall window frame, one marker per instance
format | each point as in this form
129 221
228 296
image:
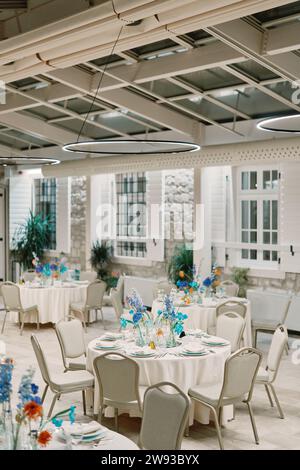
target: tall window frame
258 210
45 203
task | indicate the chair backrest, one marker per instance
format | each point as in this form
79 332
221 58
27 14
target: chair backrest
239 373
40 359
11 296
29 276
231 306
268 306
230 326
231 288
71 338
165 414
292 320
120 286
118 378
279 341
95 293
90 276
116 300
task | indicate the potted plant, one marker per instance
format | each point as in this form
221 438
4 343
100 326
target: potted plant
240 277
101 254
32 237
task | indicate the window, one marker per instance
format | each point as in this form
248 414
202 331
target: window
45 204
258 209
131 215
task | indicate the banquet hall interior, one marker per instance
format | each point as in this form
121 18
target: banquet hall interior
149 225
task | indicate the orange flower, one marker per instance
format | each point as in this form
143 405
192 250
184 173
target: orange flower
33 410
181 274
44 438
218 271
216 283
191 290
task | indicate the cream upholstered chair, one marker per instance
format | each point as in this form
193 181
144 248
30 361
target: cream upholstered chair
117 303
118 380
165 415
228 306
29 276
62 383
12 303
94 299
231 288
89 276
72 345
239 376
266 376
107 300
231 326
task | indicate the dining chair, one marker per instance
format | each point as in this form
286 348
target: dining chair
239 376
29 276
267 375
62 383
70 336
228 306
163 286
12 303
268 310
231 326
165 414
94 299
231 288
89 276
107 299
118 380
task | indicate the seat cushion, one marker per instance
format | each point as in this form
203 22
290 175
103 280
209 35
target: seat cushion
33 308
130 404
264 324
77 380
206 393
106 300
80 364
262 376
77 306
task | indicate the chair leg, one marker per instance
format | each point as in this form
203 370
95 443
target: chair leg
100 413
187 429
22 325
102 318
269 395
38 320
218 429
277 401
84 402
45 393
255 338
4 321
52 405
253 422
116 420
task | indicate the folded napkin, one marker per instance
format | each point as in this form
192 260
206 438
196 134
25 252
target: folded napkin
111 335
143 350
193 347
82 429
107 344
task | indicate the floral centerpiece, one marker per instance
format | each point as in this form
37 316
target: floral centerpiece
27 429
53 269
139 318
190 285
171 317
213 280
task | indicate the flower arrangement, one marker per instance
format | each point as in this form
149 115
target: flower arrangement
30 413
52 269
139 315
174 318
213 280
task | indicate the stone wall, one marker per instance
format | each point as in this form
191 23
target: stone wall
78 220
291 282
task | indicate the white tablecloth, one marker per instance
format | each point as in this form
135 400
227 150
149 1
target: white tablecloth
53 302
184 372
111 441
202 316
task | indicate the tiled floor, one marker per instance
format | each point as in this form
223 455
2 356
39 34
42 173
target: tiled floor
274 433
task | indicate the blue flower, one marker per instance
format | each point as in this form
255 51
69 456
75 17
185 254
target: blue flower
57 422
72 414
137 317
123 322
37 400
34 389
178 328
5 381
25 389
207 282
181 316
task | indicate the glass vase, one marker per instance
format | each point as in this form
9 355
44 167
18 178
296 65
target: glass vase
171 339
139 337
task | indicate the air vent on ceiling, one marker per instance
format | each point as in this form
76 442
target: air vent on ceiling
13 4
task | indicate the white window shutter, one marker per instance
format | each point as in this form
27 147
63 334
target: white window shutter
290 220
217 187
20 202
102 195
63 215
155 216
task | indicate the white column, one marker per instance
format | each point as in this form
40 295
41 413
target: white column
202 223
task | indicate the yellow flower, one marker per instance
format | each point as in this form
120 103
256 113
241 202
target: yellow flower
218 271
181 274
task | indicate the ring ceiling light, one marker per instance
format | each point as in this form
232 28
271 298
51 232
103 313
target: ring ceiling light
15 161
131 147
286 124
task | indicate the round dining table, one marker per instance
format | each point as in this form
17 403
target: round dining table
168 365
53 301
203 316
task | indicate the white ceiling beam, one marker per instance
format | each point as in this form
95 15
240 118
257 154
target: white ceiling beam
284 38
8 152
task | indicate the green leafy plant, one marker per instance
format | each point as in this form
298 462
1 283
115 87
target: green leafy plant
101 254
181 260
240 277
31 237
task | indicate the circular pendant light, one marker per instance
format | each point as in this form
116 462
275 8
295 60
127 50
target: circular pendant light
124 147
131 147
18 161
284 124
